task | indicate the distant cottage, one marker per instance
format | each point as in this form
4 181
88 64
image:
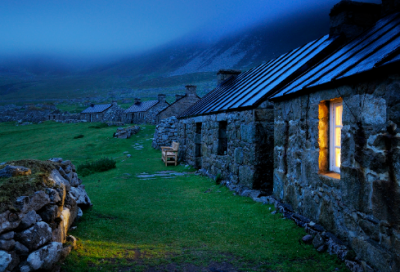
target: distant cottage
102 113
145 112
182 103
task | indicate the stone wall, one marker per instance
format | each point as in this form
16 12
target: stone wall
34 228
166 132
113 114
362 205
34 114
248 160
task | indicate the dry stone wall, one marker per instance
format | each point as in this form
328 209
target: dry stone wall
166 132
150 115
34 229
236 145
362 207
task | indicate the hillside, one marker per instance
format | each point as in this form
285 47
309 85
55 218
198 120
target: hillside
165 69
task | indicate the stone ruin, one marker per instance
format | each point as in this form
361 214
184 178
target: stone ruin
30 113
126 133
166 132
34 226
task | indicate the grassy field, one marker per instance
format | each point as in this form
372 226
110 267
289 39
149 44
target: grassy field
186 223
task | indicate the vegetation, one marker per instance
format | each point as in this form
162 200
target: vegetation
79 136
162 224
100 165
13 187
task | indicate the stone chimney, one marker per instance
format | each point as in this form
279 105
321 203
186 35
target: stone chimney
114 103
92 105
350 18
137 100
225 74
161 98
390 6
179 96
191 90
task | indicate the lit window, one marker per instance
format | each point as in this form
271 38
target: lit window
336 111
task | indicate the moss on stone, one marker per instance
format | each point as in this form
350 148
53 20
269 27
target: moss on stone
13 187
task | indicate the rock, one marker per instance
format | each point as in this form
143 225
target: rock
128 155
38 218
21 249
81 197
49 213
7 236
54 196
28 220
46 257
59 160
318 241
34 202
72 241
7 245
353 266
65 252
307 239
15 261
5 260
71 204
75 182
36 236
13 171
56 177
322 248
80 214
8 221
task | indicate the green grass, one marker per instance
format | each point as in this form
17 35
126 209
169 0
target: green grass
136 225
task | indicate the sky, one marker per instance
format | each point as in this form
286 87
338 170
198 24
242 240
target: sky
106 28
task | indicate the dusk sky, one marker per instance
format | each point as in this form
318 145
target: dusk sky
94 28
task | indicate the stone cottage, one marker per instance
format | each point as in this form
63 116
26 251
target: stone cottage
337 137
182 103
145 112
230 131
102 113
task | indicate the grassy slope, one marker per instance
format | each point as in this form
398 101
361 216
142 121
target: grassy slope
162 223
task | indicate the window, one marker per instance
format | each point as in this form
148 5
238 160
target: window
335 129
222 138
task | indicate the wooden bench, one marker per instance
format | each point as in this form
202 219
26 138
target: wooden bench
170 154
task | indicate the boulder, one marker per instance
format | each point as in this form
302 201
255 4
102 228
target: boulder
59 160
36 236
56 177
75 182
307 239
35 202
318 241
46 257
7 245
81 197
5 260
9 221
21 249
49 213
28 220
13 171
7 236
54 196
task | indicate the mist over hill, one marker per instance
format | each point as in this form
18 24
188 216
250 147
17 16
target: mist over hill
189 60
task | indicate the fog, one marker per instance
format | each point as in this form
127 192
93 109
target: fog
76 31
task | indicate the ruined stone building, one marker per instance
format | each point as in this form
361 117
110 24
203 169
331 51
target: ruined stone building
182 103
145 112
337 136
58 115
230 131
102 113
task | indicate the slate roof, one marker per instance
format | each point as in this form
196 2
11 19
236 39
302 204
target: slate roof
97 108
374 49
251 88
142 106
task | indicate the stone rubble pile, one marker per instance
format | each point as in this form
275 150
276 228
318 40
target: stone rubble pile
166 132
125 133
33 233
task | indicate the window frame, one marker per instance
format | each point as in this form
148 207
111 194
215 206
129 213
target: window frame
333 135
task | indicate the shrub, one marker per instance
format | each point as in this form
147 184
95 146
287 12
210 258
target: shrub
79 136
100 165
102 125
